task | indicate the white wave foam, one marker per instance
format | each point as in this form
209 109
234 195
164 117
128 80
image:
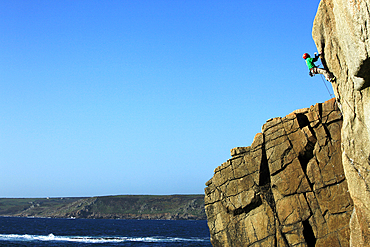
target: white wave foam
89 239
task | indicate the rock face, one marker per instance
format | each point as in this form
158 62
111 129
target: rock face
342 34
287 189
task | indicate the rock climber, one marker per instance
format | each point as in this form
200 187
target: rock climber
315 70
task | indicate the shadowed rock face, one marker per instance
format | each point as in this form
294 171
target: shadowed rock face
287 189
341 32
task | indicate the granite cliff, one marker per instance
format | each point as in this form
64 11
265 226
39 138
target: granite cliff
341 32
287 189
305 180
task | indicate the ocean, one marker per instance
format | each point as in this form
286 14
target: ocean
16 231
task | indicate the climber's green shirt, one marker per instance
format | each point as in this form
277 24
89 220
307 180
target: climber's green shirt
310 62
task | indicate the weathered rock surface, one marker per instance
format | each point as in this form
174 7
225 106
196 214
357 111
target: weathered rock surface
287 189
342 34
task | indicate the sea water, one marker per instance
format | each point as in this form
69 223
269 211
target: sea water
15 231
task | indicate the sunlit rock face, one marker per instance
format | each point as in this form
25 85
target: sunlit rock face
341 32
287 189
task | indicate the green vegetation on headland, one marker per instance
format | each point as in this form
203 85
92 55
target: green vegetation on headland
170 207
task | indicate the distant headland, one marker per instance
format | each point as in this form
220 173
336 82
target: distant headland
152 207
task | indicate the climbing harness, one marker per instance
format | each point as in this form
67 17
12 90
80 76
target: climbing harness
336 100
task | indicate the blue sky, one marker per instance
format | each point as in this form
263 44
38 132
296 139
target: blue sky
143 97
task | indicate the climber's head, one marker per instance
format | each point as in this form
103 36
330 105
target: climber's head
306 55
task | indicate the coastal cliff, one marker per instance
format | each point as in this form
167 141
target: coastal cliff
341 32
287 189
305 180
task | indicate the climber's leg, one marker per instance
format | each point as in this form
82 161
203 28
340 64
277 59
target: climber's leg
328 76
